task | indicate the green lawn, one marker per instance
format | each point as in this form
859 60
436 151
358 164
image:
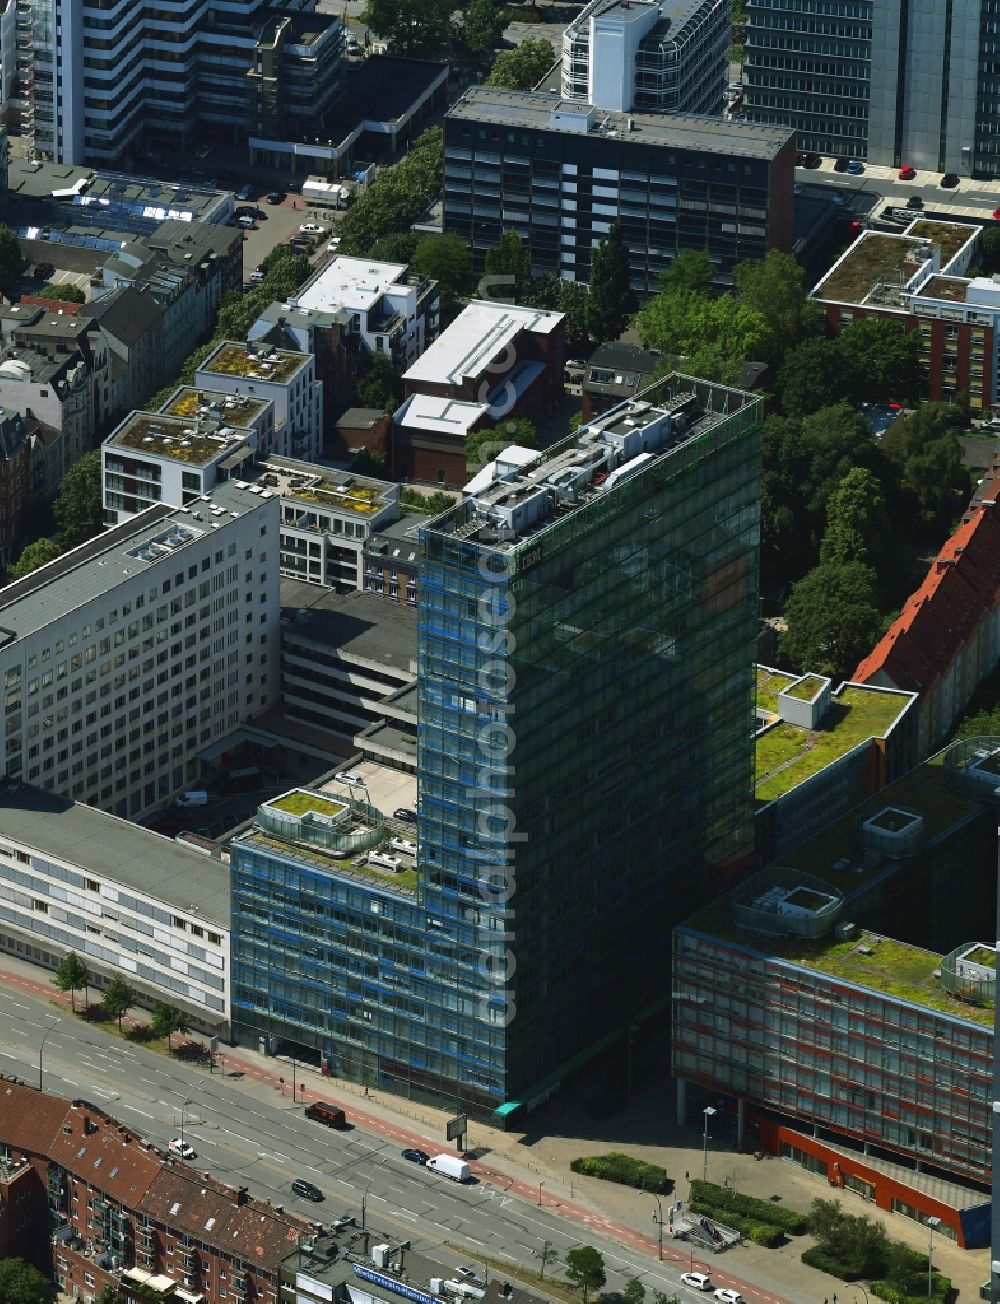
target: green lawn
301 802
769 685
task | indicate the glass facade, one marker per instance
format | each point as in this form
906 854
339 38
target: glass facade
585 756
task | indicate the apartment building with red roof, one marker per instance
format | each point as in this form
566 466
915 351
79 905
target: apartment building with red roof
946 639
90 1202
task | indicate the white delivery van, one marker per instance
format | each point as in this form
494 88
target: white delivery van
197 798
456 1169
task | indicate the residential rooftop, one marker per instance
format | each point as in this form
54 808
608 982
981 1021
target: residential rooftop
113 848
481 331
235 409
945 287
697 133
260 362
353 283
787 754
194 441
446 416
878 267
337 491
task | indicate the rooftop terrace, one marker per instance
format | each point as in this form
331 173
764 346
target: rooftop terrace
301 483
261 362
787 755
236 409
196 443
876 258
954 288
404 882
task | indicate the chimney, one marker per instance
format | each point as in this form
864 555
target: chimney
243 1195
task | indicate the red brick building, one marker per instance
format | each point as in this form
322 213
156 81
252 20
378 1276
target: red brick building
946 639
85 1199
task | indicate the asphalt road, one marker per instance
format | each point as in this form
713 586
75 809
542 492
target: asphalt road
245 1135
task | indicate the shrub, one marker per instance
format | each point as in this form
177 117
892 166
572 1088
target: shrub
762 1211
760 1233
940 1291
625 1170
818 1256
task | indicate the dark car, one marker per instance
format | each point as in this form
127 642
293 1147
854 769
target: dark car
250 210
405 814
914 201
44 270
275 197
416 1156
306 1189
810 160
950 180
840 164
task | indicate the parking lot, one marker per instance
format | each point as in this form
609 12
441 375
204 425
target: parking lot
388 789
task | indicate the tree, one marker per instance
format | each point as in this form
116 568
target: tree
482 445
933 481
509 263
77 506
34 555
168 1019
856 524
661 1297
62 292
71 975
523 68
110 1296
11 260
483 26
585 1269
881 359
414 29
397 197
399 247
546 1255
574 299
445 259
692 270
776 289
375 386
119 997
634 1292
811 376
989 250
20 1283
720 332
612 300
833 620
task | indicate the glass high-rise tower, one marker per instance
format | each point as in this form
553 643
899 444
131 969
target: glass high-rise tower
587 627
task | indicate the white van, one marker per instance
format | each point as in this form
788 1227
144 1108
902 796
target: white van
196 798
457 1169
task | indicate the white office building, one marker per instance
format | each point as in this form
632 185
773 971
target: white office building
129 902
653 56
127 656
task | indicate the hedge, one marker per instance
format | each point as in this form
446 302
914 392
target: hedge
761 1211
760 1233
940 1286
625 1170
817 1256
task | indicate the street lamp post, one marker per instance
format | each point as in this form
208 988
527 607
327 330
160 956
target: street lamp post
540 1185
709 1112
364 1197
658 1219
41 1048
931 1224
184 1107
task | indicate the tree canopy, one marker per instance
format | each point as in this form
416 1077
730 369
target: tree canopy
870 361
62 292
585 1269
398 195
20 1283
119 997
833 619
612 300
77 507
775 287
168 1019
11 260
857 527
483 26
509 266
413 29
71 975
376 383
521 69
34 555
925 452
445 259
482 445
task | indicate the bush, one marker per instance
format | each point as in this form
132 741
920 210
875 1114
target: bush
818 1256
748 1206
625 1170
760 1233
940 1288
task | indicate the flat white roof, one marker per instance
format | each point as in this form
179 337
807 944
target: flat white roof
354 283
512 455
474 339
449 415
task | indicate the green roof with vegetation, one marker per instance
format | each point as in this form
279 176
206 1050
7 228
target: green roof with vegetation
301 802
769 684
807 688
404 882
787 754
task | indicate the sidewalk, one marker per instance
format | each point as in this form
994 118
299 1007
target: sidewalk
535 1165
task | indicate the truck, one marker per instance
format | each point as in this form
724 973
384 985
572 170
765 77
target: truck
321 1111
198 797
457 1169
323 194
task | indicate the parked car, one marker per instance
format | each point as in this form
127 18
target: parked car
247 223
950 181
996 215
810 160
306 1190
914 201
251 210
855 167
907 172
696 1280
350 777
405 814
44 270
333 245
275 197
416 1156
311 228
840 164
182 1148
735 88
257 278
728 1296
245 192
